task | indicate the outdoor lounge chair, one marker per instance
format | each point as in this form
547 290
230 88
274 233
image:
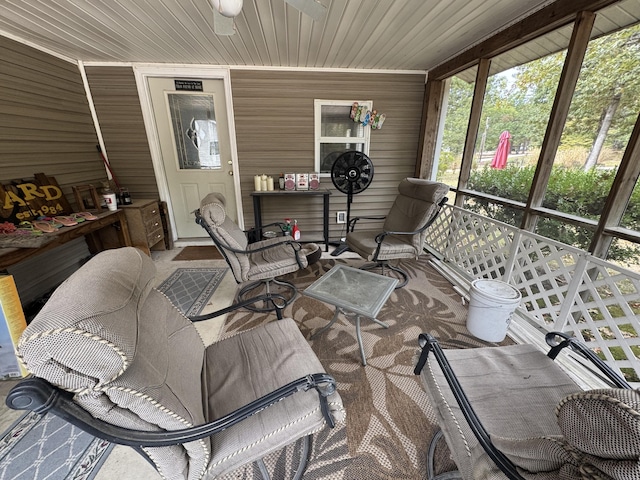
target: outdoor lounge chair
256 265
512 412
403 233
113 356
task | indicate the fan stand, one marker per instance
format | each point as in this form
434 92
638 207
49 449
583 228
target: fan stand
355 172
342 246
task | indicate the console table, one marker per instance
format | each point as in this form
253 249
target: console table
257 206
88 229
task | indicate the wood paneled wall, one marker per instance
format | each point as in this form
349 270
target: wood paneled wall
117 106
274 117
45 122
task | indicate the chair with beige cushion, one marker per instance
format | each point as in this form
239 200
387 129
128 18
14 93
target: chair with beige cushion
512 412
112 355
403 233
256 265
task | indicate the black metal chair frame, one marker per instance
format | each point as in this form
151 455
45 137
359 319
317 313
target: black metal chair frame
383 264
38 395
242 295
429 344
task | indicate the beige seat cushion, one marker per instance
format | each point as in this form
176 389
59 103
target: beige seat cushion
518 379
260 369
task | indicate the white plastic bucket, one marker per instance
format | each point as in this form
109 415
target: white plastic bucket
491 304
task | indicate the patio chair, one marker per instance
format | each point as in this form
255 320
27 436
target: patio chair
113 356
255 264
403 233
512 412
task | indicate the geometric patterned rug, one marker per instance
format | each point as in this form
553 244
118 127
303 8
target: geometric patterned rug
389 419
48 448
190 289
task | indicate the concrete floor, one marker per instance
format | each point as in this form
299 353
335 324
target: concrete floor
123 463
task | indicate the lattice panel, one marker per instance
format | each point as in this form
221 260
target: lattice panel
563 288
542 271
606 314
478 245
438 232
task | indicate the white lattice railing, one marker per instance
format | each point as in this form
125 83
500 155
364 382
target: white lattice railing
563 288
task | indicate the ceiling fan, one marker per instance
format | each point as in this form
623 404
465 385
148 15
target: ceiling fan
224 12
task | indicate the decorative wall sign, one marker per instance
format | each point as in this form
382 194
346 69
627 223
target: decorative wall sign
28 199
188 85
363 115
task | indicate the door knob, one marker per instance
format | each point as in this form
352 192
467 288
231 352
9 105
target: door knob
231 173
229 162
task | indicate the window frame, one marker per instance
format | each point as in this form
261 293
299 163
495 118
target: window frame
319 140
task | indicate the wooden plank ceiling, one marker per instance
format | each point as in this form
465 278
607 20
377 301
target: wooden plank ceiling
354 34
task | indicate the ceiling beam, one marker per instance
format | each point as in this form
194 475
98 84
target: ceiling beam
551 17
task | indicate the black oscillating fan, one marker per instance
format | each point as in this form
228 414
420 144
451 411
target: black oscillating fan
351 173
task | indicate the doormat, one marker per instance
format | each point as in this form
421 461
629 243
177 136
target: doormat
39 447
191 288
205 252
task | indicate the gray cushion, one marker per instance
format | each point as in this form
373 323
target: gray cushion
275 261
107 336
91 315
259 369
518 379
413 208
605 426
363 243
262 265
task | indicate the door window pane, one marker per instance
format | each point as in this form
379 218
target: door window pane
195 132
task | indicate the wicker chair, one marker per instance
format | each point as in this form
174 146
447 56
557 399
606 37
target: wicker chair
115 357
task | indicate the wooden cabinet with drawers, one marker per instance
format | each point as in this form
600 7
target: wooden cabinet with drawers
145 225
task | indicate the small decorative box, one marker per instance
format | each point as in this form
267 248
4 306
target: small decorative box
302 181
314 181
289 181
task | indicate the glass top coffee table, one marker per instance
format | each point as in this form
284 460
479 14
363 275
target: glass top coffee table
353 292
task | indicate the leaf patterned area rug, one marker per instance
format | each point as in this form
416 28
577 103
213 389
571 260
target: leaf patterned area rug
389 419
45 447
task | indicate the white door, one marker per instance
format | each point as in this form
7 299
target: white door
195 146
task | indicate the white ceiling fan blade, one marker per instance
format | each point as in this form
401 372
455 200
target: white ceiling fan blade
222 25
314 9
